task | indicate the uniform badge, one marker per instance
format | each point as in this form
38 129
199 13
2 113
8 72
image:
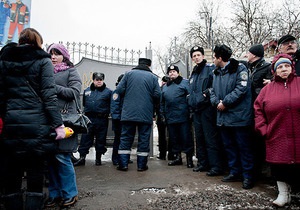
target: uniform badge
87 93
244 76
115 96
172 67
195 48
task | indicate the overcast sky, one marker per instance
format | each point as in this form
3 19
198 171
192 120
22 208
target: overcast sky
119 23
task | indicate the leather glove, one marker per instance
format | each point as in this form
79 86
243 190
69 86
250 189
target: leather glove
60 132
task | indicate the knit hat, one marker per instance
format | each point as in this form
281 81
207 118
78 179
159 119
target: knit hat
257 50
98 75
196 48
61 48
286 38
172 67
145 61
280 61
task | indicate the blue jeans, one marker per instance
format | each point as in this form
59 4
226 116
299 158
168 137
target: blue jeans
62 178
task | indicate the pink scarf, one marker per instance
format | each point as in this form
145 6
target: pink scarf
60 67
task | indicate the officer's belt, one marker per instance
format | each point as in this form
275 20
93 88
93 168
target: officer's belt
95 114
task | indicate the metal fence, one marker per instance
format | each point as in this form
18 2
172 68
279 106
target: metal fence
102 53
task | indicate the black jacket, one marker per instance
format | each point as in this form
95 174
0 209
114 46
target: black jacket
259 70
28 101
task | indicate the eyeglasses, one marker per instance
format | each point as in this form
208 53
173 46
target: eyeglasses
289 42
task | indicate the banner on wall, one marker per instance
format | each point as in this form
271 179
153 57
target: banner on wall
15 16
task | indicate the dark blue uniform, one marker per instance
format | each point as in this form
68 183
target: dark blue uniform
141 92
208 143
174 108
96 102
231 85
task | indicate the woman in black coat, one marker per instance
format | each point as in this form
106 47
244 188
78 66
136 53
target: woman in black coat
28 107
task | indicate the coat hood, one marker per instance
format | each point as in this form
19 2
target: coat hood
18 59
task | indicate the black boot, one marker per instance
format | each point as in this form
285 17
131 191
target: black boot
34 201
81 161
177 161
98 160
13 201
189 161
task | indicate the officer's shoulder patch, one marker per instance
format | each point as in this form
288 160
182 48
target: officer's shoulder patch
115 96
87 93
244 75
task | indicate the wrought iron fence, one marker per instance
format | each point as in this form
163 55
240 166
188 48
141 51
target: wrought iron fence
102 53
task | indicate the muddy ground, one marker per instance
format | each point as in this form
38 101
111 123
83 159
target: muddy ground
166 187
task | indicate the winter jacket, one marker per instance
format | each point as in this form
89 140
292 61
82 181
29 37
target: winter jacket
232 86
116 104
28 101
296 58
141 93
200 81
259 70
68 84
97 100
277 118
174 105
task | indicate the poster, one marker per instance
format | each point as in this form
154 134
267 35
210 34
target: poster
14 17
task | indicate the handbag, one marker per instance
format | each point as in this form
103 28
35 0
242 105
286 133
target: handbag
77 121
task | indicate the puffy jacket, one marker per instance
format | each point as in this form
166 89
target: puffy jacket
277 118
232 86
174 104
28 102
200 80
97 100
141 93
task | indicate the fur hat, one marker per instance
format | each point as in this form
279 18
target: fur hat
145 61
61 48
257 50
98 75
119 79
172 67
196 48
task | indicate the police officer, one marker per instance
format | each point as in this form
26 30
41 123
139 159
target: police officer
174 107
231 95
141 93
208 142
116 108
96 102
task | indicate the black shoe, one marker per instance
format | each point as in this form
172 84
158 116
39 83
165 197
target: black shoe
51 202
175 162
69 201
231 178
130 161
98 162
80 162
161 157
143 169
124 168
171 156
213 172
200 168
248 184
